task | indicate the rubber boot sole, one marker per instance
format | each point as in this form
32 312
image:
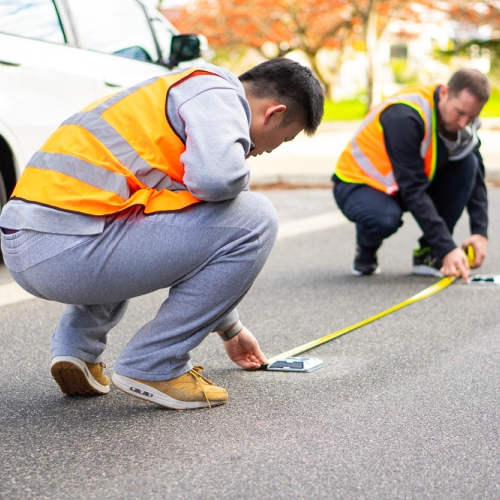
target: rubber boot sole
73 377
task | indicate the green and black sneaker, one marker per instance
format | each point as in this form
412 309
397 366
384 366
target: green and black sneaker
425 263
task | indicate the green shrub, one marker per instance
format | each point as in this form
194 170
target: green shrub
355 109
492 107
344 110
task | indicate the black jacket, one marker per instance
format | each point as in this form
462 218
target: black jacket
403 133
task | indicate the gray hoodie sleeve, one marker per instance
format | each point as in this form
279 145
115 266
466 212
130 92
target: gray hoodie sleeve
212 116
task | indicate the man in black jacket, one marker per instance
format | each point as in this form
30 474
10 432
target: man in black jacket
419 152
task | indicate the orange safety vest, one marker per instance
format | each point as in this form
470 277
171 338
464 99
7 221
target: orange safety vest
365 159
116 153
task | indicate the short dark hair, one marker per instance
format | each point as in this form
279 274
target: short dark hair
472 80
292 84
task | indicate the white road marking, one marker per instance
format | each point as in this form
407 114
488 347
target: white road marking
11 293
310 224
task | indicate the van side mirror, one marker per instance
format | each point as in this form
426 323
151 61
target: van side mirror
184 48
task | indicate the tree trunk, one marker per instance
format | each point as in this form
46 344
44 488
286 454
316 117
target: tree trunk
317 72
374 93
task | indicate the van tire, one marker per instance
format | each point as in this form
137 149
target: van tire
3 201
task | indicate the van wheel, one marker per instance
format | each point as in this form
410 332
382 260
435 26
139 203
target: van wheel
3 201
3 193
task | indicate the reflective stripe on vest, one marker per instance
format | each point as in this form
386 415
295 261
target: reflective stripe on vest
372 173
97 165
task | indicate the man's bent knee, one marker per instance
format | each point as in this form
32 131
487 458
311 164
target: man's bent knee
381 227
258 213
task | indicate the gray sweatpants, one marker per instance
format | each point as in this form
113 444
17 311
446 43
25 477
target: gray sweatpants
209 255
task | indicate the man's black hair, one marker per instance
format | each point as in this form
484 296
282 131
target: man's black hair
291 84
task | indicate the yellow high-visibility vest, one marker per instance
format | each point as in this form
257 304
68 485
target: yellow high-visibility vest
116 153
365 159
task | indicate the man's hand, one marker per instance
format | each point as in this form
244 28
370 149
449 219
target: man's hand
480 245
244 350
455 264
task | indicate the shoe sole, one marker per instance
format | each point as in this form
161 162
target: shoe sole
73 377
147 393
359 273
423 270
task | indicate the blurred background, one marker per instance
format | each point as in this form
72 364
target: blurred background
57 56
361 50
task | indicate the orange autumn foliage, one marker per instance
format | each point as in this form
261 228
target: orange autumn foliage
306 24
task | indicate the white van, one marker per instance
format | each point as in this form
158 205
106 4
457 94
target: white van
57 56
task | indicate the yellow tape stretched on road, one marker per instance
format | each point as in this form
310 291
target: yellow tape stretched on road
436 287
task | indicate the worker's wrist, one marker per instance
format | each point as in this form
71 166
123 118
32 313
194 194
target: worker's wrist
231 332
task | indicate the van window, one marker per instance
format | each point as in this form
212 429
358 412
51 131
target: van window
35 19
115 27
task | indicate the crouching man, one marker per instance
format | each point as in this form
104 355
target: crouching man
148 189
418 151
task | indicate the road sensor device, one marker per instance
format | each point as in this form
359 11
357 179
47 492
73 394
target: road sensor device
484 279
294 365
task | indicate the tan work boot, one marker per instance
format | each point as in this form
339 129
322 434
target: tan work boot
188 391
75 376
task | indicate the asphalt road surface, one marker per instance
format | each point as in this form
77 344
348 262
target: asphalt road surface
405 407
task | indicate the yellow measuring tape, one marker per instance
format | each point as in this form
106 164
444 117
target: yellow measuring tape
471 256
436 287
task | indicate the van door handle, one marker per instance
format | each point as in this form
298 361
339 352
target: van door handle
111 84
9 63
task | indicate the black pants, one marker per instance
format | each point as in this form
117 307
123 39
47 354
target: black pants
378 215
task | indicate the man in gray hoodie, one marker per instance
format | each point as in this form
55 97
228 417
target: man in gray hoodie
147 190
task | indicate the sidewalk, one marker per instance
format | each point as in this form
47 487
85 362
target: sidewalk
311 160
